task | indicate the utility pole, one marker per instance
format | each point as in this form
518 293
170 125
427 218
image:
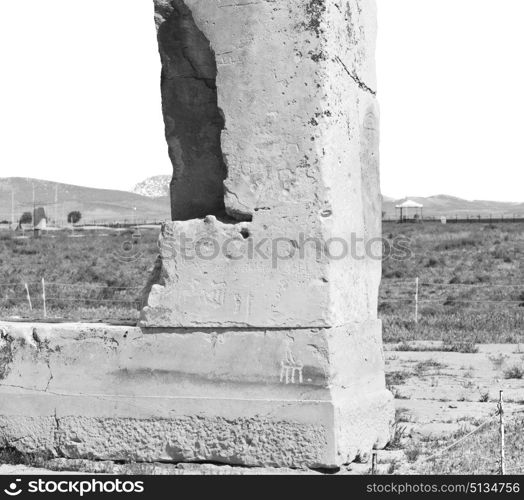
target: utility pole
502 435
34 210
12 208
56 205
416 299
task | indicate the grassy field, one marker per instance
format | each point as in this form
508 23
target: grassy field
91 275
471 279
471 283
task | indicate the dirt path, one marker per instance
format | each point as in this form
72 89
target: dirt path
440 392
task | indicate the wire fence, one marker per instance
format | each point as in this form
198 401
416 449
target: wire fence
494 446
457 219
416 294
40 300
412 298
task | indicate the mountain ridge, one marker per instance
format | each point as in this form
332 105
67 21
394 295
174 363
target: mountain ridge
152 201
95 204
451 206
155 186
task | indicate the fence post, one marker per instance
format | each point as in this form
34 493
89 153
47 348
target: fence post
502 435
43 298
28 297
416 299
373 462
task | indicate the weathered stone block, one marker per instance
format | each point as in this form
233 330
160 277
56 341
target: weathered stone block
259 342
294 83
274 398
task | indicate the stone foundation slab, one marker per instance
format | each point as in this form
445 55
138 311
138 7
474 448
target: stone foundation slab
282 398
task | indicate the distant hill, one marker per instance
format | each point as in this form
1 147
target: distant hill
154 187
96 205
151 201
451 206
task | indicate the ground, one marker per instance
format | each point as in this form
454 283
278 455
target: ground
446 370
443 396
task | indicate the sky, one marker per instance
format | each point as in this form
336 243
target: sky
80 98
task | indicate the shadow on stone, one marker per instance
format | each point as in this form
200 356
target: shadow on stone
193 121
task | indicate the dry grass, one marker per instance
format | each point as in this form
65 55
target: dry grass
466 263
97 276
108 277
478 454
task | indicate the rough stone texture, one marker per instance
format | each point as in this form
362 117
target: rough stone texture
164 469
257 398
295 86
296 89
387 459
256 346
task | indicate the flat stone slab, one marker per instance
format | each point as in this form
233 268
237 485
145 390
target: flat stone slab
280 398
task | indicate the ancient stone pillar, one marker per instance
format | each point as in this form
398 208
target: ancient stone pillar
259 343
273 255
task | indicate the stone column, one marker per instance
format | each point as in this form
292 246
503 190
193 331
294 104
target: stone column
273 254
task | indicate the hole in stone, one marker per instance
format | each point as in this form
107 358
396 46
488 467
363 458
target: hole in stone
245 233
193 120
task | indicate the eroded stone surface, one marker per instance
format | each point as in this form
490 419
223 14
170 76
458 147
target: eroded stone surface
295 86
271 398
258 343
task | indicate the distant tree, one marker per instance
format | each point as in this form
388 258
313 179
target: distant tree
26 218
74 217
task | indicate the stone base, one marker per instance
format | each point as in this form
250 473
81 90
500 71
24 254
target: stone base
282 398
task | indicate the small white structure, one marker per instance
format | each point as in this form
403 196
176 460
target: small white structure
407 206
41 225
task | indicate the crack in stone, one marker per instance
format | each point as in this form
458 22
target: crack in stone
356 79
51 377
